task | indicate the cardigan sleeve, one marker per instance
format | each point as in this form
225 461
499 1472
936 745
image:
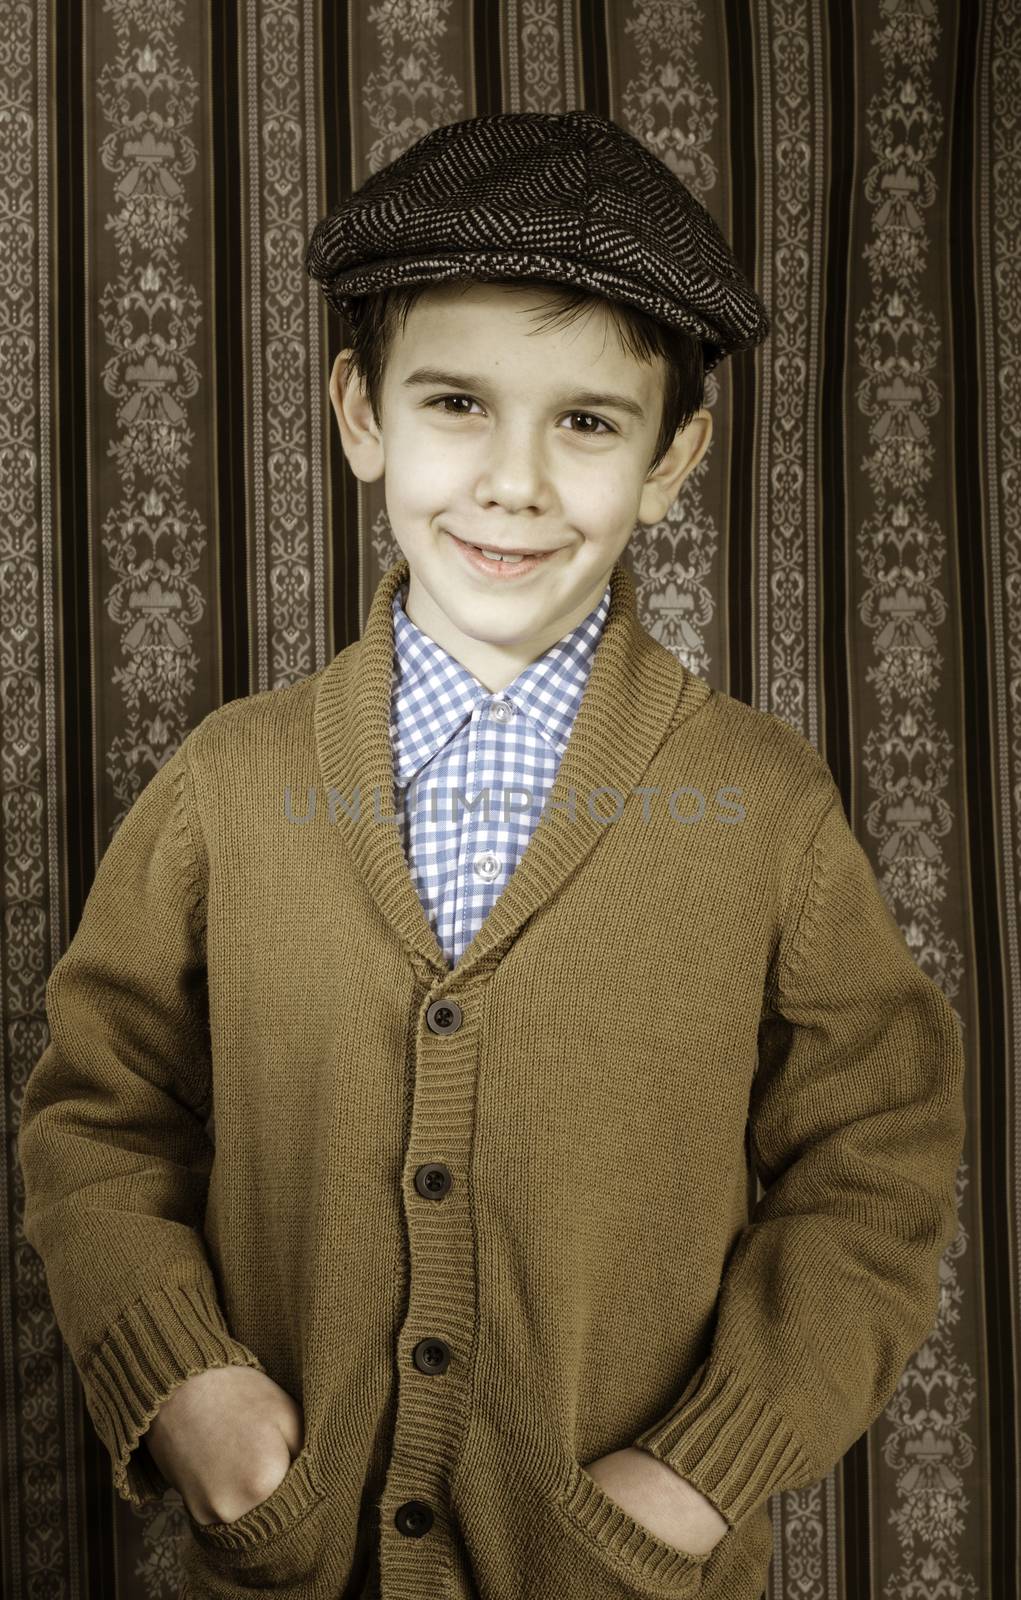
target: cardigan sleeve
857 1124
113 1140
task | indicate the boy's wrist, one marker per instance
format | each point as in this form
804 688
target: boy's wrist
654 1494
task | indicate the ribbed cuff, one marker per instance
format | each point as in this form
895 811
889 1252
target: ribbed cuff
729 1442
168 1334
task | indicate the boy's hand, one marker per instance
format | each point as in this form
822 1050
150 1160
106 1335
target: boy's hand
224 1439
660 1499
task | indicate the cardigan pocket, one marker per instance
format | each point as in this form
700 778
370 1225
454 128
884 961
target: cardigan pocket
627 1548
278 1536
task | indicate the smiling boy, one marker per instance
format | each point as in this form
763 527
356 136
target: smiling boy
392 1181
513 459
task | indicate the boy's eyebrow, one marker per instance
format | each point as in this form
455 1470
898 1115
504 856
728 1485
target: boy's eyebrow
577 397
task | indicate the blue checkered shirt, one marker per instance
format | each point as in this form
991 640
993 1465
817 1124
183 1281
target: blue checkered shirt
451 738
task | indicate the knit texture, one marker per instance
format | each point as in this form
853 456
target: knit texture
487 1222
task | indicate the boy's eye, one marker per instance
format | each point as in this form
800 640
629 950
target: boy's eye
442 399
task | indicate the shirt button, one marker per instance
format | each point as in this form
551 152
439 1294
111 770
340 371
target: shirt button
501 710
486 866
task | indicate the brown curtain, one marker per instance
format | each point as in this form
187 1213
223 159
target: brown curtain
180 528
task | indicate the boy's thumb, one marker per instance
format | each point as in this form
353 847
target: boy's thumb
291 1425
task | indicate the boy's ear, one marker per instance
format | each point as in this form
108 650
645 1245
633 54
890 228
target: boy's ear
359 435
661 487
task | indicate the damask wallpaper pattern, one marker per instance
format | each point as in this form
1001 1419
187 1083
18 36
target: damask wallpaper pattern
179 528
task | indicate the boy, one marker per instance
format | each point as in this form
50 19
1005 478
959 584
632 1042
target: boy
460 1296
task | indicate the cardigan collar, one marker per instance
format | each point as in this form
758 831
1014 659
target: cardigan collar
637 690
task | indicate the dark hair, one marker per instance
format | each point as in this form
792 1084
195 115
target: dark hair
644 338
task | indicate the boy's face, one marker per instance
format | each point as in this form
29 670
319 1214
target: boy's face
525 462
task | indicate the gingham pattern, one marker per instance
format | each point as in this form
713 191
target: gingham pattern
446 743
570 198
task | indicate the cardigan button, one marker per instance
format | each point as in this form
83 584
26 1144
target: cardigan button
433 1179
443 1016
414 1518
431 1356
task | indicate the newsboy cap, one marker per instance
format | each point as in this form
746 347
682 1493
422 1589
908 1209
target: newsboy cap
567 197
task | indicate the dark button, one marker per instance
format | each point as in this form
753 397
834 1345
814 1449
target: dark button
444 1016
414 1518
433 1179
431 1355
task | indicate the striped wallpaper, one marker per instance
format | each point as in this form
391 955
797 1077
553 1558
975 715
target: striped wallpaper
179 528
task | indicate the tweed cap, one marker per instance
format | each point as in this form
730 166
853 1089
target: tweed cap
571 198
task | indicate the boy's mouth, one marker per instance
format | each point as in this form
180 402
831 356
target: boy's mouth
503 550
493 565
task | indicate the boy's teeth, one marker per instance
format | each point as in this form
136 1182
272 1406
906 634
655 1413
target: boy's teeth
495 555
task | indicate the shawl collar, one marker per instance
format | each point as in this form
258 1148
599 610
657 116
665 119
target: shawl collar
637 690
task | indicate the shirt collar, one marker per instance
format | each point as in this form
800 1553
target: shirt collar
637 694
434 694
